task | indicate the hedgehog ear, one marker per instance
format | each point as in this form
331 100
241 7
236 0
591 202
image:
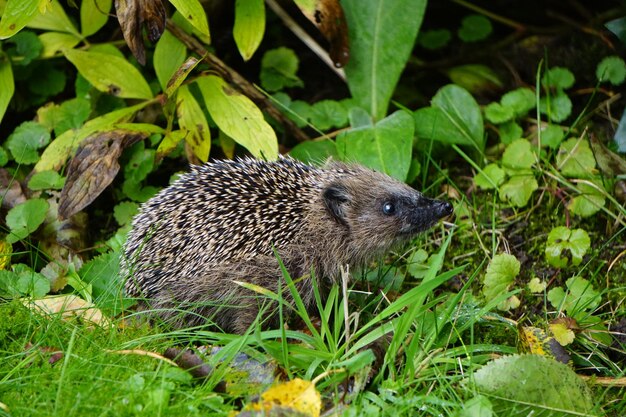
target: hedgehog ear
335 198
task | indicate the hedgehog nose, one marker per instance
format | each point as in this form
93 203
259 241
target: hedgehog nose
443 209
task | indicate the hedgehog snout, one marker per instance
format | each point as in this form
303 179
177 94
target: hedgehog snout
426 213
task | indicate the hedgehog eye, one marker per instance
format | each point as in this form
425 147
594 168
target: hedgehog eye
389 208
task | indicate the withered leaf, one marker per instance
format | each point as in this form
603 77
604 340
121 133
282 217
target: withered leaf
133 15
93 168
11 190
329 18
608 161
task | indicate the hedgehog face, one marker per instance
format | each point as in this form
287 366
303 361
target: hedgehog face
381 214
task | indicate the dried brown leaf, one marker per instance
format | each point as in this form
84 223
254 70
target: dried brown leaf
133 16
329 18
93 168
11 190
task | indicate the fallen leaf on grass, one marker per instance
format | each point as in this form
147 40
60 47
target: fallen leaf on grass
69 307
296 397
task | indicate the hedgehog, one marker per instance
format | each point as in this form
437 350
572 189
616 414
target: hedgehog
230 222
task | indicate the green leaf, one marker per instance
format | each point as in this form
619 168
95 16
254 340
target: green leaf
7 86
278 69
385 147
552 136
192 121
194 13
53 18
478 406
17 14
110 74
249 26
46 180
169 55
537 286
102 273
500 275
562 333
580 296
518 155
474 28
454 117
32 284
27 46
490 177
518 189
497 113
25 218
50 82
475 78
326 114
315 152
238 117
521 101
589 202
575 159
558 77
4 157
25 140
140 164
124 212
509 131
434 39
525 385
611 69
382 34
93 15
72 114
53 42
563 241
558 107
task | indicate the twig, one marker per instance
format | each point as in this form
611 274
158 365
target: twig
233 76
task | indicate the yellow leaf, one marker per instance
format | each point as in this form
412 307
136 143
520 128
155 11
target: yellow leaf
68 306
562 334
536 341
298 395
5 254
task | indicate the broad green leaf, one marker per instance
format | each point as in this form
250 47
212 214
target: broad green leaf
532 385
315 152
169 55
509 131
55 19
490 177
561 239
558 77
536 285
382 35
475 78
53 42
27 47
474 28
611 69
46 180
478 406
454 117
326 114
575 159
558 107
33 284
580 296
562 333
7 86
249 26
124 212
518 189
25 141
55 155
278 69
589 202
521 100
434 39
93 15
500 275
497 113
518 155
25 218
385 147
102 273
552 136
192 121
17 14
194 13
238 117
110 74
169 142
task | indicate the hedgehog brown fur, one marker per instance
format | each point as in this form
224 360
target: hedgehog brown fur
222 222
